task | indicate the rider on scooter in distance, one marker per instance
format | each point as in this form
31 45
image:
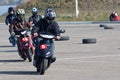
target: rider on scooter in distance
8 20
47 25
11 15
19 24
35 17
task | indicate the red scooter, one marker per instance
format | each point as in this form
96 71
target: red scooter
25 46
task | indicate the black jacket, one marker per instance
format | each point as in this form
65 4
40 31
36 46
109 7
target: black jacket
44 26
9 18
35 18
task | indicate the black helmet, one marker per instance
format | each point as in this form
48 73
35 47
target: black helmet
10 9
50 14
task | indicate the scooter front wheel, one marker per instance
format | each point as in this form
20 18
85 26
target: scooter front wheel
43 66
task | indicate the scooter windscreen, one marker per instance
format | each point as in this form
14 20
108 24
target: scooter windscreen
48 36
23 32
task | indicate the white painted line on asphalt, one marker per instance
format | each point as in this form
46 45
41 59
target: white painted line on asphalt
89 57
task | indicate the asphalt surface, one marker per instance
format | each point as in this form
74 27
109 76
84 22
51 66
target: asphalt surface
75 61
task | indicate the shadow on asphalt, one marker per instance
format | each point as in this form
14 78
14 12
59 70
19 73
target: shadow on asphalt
19 72
9 51
11 60
6 46
118 48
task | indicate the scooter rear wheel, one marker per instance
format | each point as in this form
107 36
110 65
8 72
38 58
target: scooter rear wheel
29 54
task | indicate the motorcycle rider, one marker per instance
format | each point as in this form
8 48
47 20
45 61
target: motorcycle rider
11 15
35 17
9 18
47 24
19 24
